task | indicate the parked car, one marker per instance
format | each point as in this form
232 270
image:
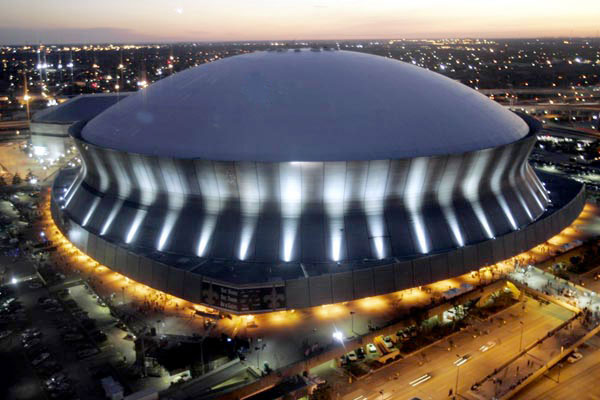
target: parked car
371 348
351 356
388 342
574 357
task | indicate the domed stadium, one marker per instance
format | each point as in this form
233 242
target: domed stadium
289 179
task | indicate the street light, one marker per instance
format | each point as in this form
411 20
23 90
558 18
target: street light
337 335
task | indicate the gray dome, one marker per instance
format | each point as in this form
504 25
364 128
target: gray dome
304 106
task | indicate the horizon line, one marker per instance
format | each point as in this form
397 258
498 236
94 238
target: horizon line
287 41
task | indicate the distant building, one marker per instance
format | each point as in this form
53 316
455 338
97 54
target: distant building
50 127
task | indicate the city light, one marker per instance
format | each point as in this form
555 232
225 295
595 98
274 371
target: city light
337 335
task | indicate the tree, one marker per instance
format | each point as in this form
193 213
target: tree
2 181
16 179
418 314
322 392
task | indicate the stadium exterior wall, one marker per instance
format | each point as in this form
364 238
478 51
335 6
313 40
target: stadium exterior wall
321 289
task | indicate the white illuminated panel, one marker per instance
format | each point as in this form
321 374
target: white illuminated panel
513 183
333 197
91 211
471 190
137 221
336 226
72 190
379 247
74 185
123 181
248 226
497 186
290 229
111 217
290 175
250 204
175 200
413 198
374 198
145 181
171 176
445 196
212 205
377 232
208 227
534 195
167 227
537 183
104 180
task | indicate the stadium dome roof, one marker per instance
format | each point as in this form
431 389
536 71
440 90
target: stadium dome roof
304 106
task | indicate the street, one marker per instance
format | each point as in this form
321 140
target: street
438 361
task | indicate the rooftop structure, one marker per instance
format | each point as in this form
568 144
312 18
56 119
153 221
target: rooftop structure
305 106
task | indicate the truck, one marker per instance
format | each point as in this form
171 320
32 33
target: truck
388 352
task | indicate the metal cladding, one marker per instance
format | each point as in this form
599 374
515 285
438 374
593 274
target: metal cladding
269 231
304 106
306 211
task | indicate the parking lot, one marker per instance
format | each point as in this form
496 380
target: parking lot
60 341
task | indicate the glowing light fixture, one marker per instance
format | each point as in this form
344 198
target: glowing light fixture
337 335
111 217
137 221
91 211
413 198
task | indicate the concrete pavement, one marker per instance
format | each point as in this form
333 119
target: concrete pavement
579 380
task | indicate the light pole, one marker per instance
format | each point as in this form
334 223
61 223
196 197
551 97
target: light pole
352 316
559 369
521 339
260 348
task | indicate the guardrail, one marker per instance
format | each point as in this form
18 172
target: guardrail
550 364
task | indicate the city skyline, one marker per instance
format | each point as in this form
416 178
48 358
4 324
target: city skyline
64 21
